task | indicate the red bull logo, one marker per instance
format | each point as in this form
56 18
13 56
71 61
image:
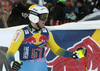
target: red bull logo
36 40
43 39
30 40
68 64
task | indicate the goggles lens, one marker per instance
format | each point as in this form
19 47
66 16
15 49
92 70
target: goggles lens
43 16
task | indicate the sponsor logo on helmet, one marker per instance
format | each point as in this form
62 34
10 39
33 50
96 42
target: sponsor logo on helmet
32 12
34 9
42 8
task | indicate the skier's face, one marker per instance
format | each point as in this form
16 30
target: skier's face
42 23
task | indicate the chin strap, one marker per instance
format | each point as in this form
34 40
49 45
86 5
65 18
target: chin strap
38 26
35 28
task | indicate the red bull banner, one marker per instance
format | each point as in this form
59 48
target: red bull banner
71 40
69 36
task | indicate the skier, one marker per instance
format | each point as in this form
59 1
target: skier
31 42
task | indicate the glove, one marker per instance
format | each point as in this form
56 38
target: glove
16 65
79 53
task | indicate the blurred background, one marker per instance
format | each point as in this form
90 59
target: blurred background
6 9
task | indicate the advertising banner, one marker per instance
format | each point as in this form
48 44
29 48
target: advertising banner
71 40
70 37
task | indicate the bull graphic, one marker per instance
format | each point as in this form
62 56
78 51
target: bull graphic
69 64
35 40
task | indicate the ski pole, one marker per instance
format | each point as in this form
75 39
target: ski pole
85 64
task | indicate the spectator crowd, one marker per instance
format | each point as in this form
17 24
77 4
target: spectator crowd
60 12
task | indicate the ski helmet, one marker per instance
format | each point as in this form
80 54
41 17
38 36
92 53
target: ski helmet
37 12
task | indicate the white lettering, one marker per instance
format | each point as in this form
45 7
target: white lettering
25 52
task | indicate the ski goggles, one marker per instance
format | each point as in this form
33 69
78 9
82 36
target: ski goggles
41 16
